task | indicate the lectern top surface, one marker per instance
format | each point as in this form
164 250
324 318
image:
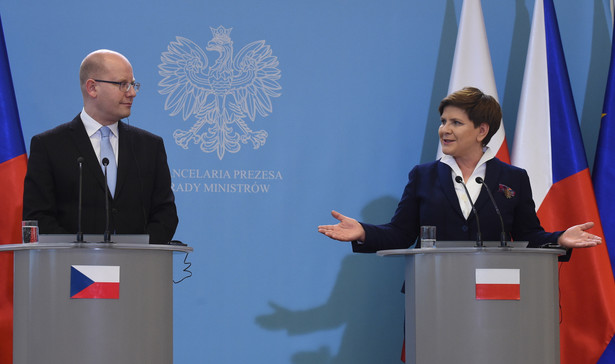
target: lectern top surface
470 244
95 246
474 250
95 238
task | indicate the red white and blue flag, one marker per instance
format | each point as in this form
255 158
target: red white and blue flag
549 146
95 281
13 164
604 175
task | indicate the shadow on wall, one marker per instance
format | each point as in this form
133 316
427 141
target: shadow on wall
366 298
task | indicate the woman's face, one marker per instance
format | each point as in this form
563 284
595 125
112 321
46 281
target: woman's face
458 136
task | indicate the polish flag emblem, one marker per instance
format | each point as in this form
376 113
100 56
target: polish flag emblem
498 284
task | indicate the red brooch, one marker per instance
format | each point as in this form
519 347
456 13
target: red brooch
507 191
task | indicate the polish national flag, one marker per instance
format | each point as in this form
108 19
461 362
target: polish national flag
472 66
498 284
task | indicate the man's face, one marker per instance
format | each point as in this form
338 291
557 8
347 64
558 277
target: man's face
111 103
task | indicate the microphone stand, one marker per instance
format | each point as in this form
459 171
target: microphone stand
503 240
479 237
79 208
107 235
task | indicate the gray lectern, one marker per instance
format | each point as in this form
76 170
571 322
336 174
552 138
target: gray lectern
134 326
481 305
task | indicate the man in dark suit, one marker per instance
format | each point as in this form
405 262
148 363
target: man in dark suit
141 202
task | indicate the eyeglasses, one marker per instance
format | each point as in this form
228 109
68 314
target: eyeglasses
124 86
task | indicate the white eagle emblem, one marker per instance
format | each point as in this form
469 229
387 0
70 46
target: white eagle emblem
222 96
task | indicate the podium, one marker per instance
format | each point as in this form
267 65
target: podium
448 319
51 327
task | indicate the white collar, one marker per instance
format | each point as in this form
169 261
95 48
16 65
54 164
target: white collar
480 168
92 126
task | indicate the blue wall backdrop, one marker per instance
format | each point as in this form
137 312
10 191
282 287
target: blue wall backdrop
356 108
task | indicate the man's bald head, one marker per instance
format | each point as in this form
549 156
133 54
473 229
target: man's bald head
101 74
94 64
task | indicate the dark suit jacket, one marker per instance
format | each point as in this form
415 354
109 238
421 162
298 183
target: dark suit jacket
143 202
430 199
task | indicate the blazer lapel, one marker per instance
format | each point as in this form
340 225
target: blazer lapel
492 176
448 189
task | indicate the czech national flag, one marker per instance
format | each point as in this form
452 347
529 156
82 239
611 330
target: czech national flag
13 163
548 145
95 281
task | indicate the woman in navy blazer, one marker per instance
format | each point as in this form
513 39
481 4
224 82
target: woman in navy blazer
435 195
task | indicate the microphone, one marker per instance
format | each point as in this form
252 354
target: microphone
79 208
479 238
107 235
481 182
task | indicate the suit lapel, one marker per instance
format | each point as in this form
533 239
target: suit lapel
84 145
124 161
492 176
448 189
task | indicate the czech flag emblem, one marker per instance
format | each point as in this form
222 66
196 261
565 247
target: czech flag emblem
95 281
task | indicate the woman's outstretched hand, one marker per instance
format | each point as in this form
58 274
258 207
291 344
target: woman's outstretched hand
577 237
348 229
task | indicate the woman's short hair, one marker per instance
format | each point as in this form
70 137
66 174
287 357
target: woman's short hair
481 108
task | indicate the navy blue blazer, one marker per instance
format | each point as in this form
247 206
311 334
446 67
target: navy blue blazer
430 199
143 204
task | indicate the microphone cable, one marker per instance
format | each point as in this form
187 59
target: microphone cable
186 269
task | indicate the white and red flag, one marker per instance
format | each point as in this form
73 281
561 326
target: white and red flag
472 66
498 284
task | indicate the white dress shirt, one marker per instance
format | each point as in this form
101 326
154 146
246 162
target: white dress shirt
473 187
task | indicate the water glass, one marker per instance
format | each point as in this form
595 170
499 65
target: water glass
29 231
428 236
